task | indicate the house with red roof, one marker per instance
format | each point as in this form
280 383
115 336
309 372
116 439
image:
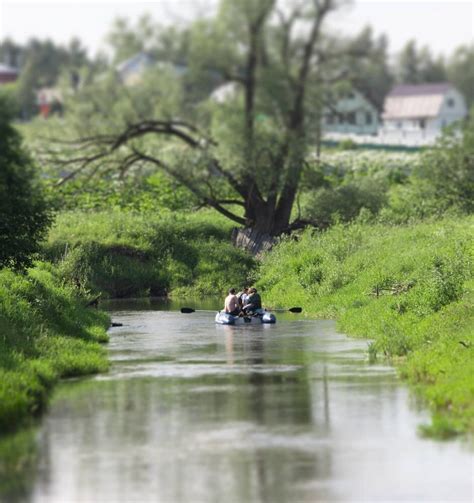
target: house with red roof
422 110
8 74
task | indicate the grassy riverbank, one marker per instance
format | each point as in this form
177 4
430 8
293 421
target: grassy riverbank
128 254
46 333
409 288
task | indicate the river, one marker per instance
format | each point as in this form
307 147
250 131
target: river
193 412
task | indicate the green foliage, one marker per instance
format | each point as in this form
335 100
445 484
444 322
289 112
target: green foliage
449 168
442 181
344 202
417 65
124 254
410 289
46 333
153 193
460 68
24 212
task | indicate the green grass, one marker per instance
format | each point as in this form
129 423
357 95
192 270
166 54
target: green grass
126 254
409 288
46 333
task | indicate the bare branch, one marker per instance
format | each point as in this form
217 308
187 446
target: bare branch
190 186
85 161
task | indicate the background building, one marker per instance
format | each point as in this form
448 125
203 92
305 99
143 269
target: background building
352 114
8 74
421 110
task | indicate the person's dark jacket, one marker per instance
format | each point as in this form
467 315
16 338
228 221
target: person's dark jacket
254 302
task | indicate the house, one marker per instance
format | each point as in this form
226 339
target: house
422 110
8 74
131 71
352 114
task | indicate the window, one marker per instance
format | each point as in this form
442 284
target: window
351 118
368 118
451 102
422 123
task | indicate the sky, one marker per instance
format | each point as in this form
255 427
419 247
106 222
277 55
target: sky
442 25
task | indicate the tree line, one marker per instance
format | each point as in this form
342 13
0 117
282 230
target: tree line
245 156
44 63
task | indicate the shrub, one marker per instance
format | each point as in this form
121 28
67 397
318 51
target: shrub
344 202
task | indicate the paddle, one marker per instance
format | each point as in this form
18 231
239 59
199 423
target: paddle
189 310
291 310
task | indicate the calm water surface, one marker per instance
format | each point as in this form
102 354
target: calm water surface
193 412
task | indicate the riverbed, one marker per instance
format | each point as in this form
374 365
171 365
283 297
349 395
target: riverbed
194 412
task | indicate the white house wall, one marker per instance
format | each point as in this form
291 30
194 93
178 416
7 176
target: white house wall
449 114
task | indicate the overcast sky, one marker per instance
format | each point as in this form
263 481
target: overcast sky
442 25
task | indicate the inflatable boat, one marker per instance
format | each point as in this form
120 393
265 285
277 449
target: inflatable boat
260 316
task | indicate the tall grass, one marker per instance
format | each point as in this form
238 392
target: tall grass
45 333
410 289
125 254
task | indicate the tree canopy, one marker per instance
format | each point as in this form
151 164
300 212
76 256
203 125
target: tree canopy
24 212
240 150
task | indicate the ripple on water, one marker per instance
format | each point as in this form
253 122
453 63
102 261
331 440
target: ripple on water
191 371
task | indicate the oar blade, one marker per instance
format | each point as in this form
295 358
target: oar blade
295 309
187 310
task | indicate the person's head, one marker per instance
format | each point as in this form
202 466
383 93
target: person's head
232 291
253 290
245 289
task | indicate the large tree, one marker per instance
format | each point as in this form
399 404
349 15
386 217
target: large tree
245 149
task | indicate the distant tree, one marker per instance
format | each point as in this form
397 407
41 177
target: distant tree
461 71
10 53
371 73
408 65
41 62
415 66
126 40
243 155
24 212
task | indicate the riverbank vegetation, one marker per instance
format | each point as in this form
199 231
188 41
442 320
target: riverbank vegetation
46 333
408 288
128 254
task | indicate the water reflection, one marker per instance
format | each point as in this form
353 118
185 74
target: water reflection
195 412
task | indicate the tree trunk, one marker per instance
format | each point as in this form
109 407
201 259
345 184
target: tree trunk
252 240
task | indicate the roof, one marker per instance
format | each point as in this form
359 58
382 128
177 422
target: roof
5 69
135 63
420 89
414 101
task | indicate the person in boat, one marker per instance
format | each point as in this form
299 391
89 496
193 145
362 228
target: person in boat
254 302
231 303
243 296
